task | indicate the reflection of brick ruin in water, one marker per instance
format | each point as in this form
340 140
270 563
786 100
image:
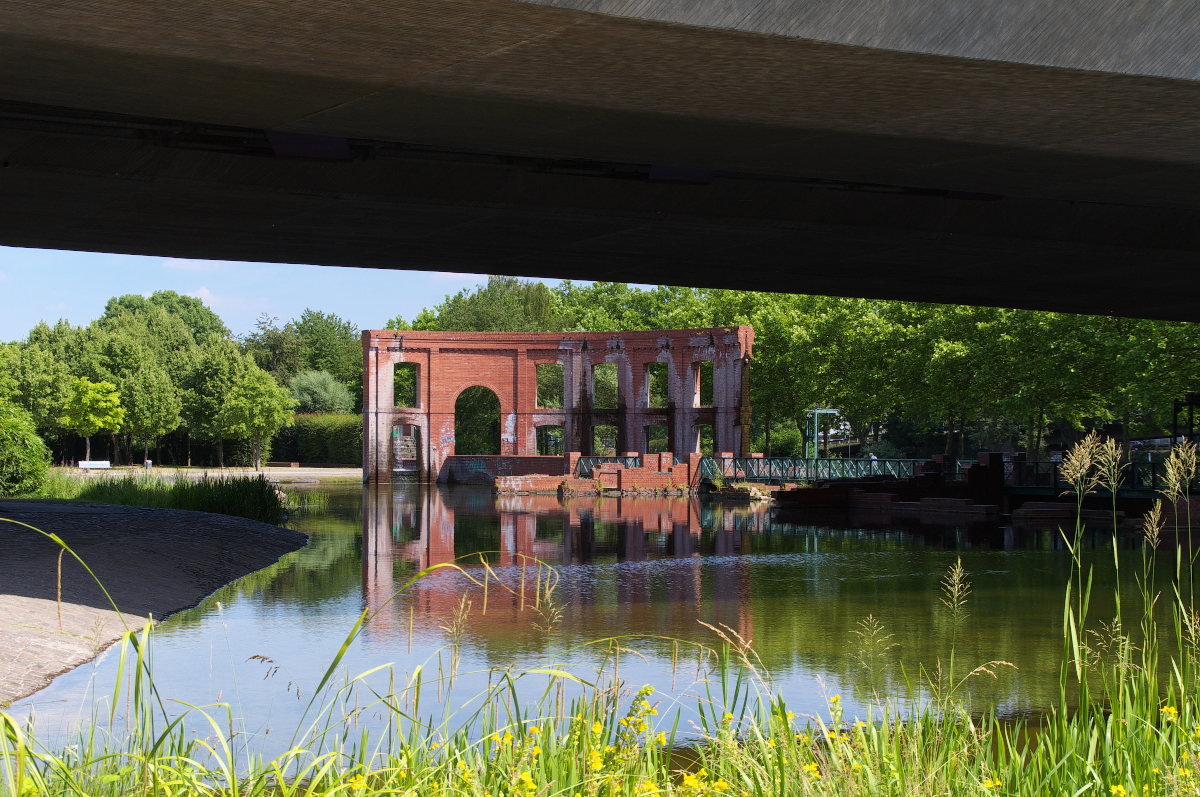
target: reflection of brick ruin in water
418 525
420 439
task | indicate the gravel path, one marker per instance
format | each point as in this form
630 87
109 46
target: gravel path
154 562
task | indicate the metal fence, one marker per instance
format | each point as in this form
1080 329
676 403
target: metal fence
785 469
586 465
1139 476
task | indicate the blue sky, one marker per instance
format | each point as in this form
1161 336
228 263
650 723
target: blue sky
38 284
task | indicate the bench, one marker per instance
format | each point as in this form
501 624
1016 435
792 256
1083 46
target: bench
95 464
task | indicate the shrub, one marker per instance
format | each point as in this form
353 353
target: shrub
784 443
319 391
251 497
24 457
883 450
321 437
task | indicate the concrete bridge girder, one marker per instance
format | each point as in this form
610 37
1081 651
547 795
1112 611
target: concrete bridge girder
1005 152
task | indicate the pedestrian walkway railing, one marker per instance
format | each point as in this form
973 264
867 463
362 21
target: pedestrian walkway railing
586 465
775 470
1138 476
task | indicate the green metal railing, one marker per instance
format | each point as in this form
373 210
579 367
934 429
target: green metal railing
585 466
1139 476
785 469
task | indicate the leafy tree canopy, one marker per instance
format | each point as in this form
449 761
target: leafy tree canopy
318 391
201 322
256 408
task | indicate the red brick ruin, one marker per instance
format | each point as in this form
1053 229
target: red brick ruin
419 440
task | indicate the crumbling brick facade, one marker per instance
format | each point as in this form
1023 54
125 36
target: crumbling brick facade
421 438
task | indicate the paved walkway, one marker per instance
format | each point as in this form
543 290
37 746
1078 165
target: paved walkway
153 562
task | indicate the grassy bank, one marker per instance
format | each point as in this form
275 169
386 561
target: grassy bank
250 497
1127 720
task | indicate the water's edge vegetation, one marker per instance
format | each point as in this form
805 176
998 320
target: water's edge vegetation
1127 720
250 497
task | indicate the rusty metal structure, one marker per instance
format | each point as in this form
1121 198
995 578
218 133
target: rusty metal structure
418 440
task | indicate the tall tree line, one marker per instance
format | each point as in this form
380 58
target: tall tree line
904 374
914 372
166 365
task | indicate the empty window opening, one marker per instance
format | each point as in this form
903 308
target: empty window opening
404 385
704 436
604 441
406 448
604 386
550 386
477 422
704 384
656 439
550 441
656 385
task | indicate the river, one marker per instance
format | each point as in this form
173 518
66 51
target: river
635 579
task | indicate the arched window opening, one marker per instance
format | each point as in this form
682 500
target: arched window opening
477 422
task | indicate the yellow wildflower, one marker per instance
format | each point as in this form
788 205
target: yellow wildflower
661 739
1117 791
690 781
1169 714
595 761
597 727
537 750
720 785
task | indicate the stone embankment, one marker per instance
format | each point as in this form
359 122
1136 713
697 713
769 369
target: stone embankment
153 562
657 476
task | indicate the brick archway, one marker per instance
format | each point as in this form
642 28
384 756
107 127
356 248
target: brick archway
506 363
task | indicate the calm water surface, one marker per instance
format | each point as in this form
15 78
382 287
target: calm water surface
647 570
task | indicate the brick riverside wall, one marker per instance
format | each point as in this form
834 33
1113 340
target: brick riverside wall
529 484
646 479
506 363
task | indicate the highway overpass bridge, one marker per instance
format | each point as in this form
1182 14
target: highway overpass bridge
1006 152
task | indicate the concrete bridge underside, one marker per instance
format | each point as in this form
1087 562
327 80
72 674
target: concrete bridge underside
993 152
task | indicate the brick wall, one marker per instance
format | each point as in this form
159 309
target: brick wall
528 484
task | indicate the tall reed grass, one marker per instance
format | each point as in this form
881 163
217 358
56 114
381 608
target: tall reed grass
251 497
1119 728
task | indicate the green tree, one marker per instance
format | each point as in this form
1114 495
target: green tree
219 367
24 458
200 322
329 343
152 406
318 391
275 349
91 408
256 408
10 355
504 304
43 385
